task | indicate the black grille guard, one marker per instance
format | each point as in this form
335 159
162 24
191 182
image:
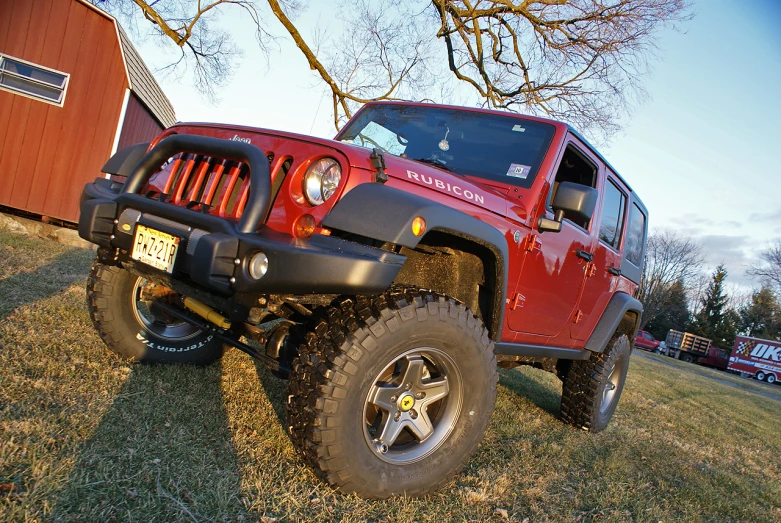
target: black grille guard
259 202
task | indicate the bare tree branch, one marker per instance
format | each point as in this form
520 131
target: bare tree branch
670 257
769 271
580 61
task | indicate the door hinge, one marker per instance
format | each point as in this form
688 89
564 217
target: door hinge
578 316
591 269
517 301
532 243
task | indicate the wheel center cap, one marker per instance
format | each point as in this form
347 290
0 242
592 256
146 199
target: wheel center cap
406 402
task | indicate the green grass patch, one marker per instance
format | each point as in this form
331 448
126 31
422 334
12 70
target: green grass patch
89 437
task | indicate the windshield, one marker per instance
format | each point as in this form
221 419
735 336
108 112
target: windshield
492 146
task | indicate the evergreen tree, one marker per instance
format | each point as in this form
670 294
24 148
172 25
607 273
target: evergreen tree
713 321
762 317
674 315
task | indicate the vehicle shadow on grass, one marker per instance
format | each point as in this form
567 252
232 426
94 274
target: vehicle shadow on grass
45 281
527 387
275 389
162 451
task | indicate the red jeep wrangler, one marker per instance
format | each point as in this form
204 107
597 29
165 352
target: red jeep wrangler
387 273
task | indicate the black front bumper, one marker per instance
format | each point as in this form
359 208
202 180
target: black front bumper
214 253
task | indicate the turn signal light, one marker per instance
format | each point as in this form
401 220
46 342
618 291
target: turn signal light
418 226
305 226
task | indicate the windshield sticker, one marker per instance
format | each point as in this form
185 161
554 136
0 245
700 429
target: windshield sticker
519 171
519 128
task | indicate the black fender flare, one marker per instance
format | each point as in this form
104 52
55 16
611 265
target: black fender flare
125 160
385 213
620 303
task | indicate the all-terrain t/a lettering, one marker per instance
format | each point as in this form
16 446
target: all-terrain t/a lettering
387 274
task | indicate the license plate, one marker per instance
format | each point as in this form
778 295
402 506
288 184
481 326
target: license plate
155 248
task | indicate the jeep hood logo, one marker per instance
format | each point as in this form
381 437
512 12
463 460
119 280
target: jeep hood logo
447 186
237 138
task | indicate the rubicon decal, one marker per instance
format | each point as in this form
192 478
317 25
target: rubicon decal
446 186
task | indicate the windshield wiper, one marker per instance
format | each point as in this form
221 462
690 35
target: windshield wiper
435 163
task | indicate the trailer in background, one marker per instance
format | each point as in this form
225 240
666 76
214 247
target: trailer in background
756 357
686 346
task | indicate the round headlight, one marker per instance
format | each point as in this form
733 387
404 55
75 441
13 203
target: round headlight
321 180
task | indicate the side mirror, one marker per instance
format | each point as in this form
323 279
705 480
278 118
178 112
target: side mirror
573 200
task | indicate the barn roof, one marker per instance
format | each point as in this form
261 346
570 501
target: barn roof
144 85
140 78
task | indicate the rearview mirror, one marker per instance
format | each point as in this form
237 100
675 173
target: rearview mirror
573 200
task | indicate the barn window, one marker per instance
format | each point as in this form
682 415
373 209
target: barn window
34 81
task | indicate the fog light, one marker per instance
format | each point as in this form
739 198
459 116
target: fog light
305 226
418 226
258 265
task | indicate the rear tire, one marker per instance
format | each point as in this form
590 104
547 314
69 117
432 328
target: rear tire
132 331
761 375
392 396
593 387
771 378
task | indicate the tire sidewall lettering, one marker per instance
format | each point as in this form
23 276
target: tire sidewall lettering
141 336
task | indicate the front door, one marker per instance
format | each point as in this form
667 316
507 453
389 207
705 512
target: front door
551 281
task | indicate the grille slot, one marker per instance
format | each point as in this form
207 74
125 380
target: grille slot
212 185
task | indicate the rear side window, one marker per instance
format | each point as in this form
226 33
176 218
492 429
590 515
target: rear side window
634 236
612 215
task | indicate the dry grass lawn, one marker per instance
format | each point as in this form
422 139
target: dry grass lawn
86 436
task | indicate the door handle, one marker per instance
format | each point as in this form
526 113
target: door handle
615 271
585 255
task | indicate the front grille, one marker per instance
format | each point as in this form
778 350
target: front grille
211 185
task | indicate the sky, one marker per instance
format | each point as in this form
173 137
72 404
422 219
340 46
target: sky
703 151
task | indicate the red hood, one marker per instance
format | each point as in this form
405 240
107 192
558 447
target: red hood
464 188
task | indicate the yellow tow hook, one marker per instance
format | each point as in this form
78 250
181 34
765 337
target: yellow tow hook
206 312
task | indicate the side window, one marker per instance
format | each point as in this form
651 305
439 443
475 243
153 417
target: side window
634 236
575 167
20 77
612 215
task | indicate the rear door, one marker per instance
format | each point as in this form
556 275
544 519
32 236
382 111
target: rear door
603 270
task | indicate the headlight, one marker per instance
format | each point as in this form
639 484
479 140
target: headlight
321 180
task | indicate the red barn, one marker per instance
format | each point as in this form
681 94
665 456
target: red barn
72 91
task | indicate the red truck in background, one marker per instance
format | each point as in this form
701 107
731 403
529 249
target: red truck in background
757 357
715 357
645 340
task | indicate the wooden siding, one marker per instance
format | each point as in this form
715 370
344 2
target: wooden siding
139 126
48 153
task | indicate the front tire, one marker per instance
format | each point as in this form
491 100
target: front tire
130 329
761 375
593 387
392 396
771 378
